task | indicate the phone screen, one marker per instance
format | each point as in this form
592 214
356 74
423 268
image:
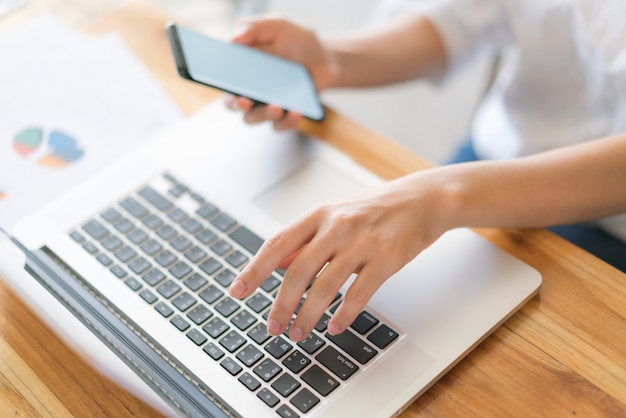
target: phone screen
244 71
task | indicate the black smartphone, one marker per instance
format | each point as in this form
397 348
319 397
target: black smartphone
244 71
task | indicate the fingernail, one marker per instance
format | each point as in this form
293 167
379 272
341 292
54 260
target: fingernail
237 289
297 334
334 329
273 327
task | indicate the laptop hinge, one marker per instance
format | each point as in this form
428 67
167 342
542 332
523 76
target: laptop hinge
161 371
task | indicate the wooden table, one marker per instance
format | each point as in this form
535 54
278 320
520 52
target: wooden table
562 354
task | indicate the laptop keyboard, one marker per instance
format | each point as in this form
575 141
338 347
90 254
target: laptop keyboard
179 253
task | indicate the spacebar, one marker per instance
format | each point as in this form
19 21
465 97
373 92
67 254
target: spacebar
247 239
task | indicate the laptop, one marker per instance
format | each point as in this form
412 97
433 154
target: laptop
143 252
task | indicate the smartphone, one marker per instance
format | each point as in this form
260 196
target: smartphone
244 71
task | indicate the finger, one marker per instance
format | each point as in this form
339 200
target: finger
302 271
256 114
290 120
256 31
270 256
322 293
234 102
357 296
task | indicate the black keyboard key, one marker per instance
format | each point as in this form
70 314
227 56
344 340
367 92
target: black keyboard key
183 301
311 343
111 215
199 314
382 336
270 284
180 270
181 243
153 277
90 248
135 208
77 236
232 341
139 265
118 271
319 380
112 243
151 247
247 239
231 366
166 258
249 381
213 351
259 334
278 347
210 266
206 236
211 294
322 324
195 254
337 363
104 259
180 323
364 322
167 232
268 397
153 222
354 346
296 361
124 225
227 306
215 327
125 254
267 370
223 222
304 400
197 337
96 230
207 210
243 320
236 258
249 355
168 289
178 215
156 199
192 225
284 411
225 278
164 309
138 236
221 247
178 190
285 385
148 296
258 302
195 282
133 283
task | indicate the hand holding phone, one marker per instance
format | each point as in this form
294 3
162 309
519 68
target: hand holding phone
244 71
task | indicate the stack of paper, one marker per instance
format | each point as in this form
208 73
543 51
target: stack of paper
69 104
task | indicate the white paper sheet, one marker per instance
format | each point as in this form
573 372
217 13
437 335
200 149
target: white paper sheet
69 105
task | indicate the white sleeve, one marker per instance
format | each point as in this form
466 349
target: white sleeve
466 27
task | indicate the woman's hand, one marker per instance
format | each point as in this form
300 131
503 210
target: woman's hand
287 40
373 234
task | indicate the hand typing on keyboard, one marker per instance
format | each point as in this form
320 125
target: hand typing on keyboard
373 234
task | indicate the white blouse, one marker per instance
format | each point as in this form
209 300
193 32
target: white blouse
563 74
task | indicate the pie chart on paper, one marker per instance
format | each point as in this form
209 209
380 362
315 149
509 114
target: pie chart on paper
56 148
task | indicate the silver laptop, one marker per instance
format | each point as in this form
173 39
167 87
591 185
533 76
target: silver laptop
143 253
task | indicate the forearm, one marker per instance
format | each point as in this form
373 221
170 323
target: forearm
401 51
574 184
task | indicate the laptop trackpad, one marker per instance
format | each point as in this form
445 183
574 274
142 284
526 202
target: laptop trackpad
313 182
